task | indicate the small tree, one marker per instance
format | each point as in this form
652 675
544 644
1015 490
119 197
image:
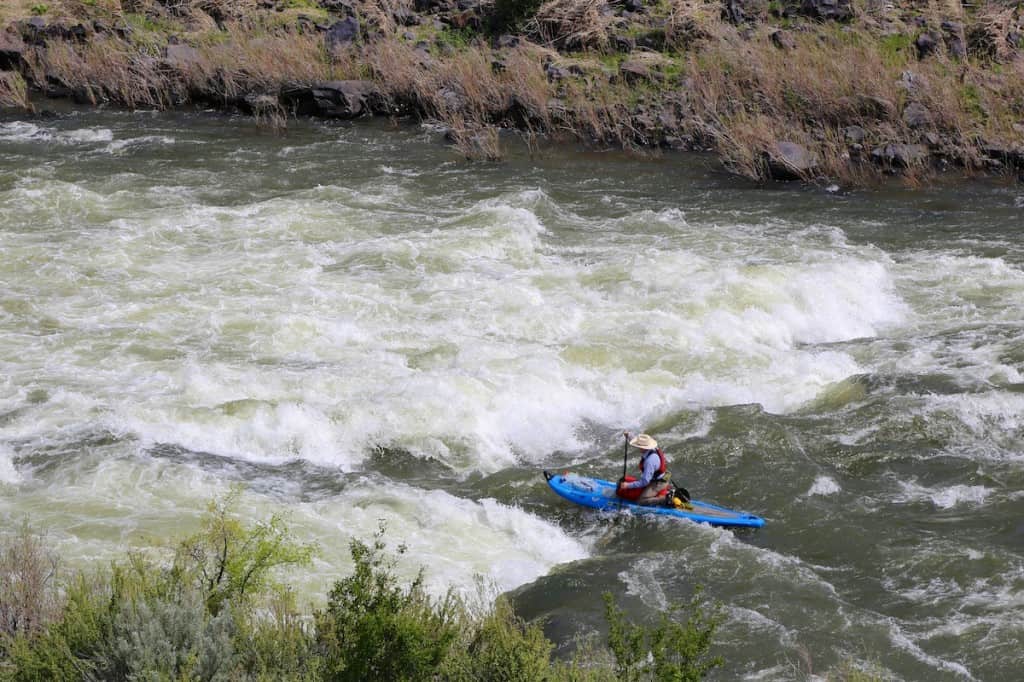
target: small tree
231 561
670 651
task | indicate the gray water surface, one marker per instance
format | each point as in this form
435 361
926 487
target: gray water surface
358 325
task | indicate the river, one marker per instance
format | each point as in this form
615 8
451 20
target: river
358 326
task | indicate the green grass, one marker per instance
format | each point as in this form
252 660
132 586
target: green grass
896 49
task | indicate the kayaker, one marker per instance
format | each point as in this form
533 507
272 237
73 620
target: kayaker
654 475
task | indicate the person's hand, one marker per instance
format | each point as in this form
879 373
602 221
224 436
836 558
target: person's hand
622 482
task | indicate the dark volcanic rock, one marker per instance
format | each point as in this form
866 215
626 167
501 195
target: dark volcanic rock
555 73
875 107
653 39
791 161
831 10
623 42
744 11
12 49
953 33
926 44
338 6
634 70
334 99
916 115
505 41
341 34
1012 156
783 40
855 134
899 155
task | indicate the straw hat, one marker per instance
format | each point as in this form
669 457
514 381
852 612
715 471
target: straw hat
644 442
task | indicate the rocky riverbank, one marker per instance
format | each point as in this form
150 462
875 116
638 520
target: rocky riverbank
816 90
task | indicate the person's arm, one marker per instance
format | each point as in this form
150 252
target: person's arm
651 465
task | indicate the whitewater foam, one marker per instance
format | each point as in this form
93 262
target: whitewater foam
824 485
943 498
8 473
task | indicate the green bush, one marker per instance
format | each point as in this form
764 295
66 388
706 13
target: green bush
373 629
231 562
278 644
671 650
502 647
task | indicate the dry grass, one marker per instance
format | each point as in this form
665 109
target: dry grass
243 62
27 573
464 91
573 24
108 69
13 91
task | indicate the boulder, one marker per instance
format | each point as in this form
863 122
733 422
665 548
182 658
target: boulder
652 39
744 11
505 41
911 82
916 115
642 66
1011 156
791 161
341 34
634 70
451 100
874 107
827 10
899 155
855 134
334 99
623 42
783 40
927 44
555 73
953 33
346 7
12 50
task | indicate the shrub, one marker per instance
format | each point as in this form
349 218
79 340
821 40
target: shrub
230 562
670 650
373 629
503 647
27 571
278 644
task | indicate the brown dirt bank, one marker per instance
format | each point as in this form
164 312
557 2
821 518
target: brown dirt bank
817 90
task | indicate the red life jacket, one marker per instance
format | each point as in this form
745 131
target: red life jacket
662 467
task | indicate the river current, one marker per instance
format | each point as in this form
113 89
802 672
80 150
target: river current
358 326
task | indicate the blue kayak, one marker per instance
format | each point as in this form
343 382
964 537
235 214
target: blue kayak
599 494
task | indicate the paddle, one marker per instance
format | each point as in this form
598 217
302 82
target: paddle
625 453
625 458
